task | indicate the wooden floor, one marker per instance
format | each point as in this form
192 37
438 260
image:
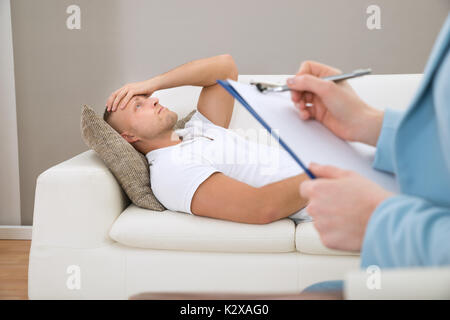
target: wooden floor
14 269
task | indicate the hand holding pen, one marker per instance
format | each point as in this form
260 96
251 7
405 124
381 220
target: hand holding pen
334 104
267 88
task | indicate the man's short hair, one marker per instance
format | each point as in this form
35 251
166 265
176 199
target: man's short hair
107 115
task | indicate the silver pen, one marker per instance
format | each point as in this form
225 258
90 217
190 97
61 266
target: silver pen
267 87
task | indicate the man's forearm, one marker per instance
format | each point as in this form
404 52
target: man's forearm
282 198
202 72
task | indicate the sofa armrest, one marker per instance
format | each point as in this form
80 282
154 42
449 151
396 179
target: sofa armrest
76 203
413 283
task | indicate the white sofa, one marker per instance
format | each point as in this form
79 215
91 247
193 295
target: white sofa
85 229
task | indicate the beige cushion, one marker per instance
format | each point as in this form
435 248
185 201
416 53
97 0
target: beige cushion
307 240
169 230
129 166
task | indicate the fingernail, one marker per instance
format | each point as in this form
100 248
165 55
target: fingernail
291 81
297 104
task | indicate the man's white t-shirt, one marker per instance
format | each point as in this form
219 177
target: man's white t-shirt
177 171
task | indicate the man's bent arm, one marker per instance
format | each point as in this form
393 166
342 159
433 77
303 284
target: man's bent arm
225 198
201 72
214 102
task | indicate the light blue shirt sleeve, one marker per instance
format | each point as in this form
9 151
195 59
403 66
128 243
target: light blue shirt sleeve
384 156
412 229
406 231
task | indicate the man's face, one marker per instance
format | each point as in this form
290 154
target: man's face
143 118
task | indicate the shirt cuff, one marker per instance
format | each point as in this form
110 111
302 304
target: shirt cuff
376 237
384 156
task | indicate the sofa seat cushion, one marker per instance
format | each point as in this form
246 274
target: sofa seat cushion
307 240
169 230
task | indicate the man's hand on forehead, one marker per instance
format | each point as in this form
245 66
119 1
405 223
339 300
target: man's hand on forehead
122 96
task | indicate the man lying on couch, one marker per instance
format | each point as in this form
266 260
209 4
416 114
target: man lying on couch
206 169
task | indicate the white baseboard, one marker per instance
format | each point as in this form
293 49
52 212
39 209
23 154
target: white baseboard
15 232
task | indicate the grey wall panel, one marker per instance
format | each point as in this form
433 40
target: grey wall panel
58 70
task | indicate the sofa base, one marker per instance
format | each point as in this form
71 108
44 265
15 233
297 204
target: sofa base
118 272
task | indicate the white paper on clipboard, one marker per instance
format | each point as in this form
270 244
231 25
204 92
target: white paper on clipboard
310 140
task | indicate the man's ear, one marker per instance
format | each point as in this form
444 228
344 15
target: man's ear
129 137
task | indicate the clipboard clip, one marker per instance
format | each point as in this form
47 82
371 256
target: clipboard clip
266 87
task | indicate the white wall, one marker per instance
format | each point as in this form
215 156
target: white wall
9 163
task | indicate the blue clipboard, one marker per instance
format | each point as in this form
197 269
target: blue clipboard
238 97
